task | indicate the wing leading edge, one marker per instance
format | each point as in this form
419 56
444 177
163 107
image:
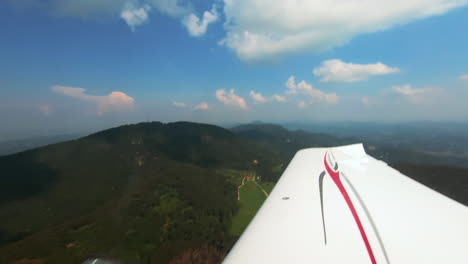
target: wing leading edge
339 205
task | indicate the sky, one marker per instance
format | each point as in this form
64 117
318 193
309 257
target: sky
71 66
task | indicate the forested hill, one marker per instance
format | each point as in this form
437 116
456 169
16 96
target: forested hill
289 141
140 193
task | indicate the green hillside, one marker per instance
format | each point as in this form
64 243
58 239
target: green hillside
138 193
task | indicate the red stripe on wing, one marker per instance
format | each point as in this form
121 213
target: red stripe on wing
335 175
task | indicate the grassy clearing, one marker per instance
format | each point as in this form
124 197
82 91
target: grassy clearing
234 176
251 199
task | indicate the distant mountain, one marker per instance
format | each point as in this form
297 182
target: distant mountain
289 142
441 139
14 146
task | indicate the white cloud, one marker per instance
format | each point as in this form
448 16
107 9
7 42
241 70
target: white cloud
257 97
464 77
134 15
278 98
202 106
301 104
259 29
416 95
304 88
365 100
291 86
197 27
179 104
231 99
408 90
113 102
339 71
46 109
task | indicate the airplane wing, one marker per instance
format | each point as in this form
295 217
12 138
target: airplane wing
340 205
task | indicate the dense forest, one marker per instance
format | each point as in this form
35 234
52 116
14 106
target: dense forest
141 193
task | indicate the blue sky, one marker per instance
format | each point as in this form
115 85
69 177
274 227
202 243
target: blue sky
69 66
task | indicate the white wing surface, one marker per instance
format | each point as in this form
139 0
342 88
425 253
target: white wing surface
340 205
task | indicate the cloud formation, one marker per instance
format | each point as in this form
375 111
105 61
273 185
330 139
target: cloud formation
339 71
257 97
278 98
113 102
464 77
416 95
202 106
408 90
134 15
303 87
197 27
259 29
231 99
178 9
179 104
